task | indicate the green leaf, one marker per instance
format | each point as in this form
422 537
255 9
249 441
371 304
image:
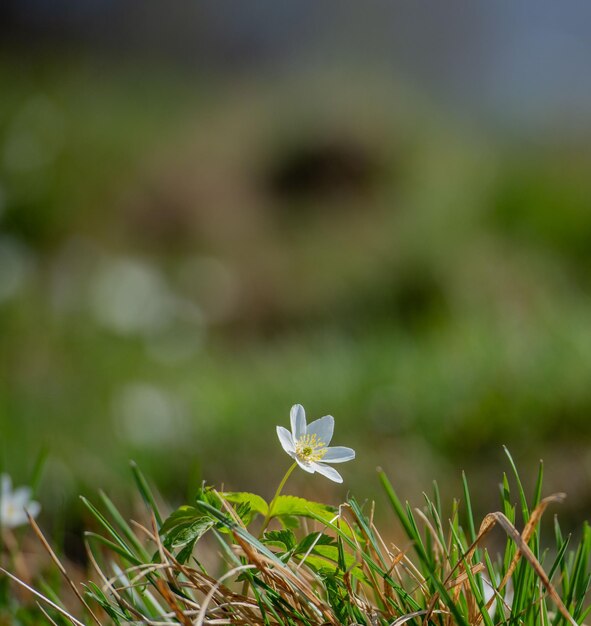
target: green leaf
185 553
244 513
292 505
331 553
95 593
289 522
281 539
185 526
183 515
318 539
338 598
327 565
231 525
256 503
184 534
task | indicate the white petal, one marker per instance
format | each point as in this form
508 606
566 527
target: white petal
297 417
21 497
12 516
18 518
329 472
322 428
307 467
33 508
338 454
285 439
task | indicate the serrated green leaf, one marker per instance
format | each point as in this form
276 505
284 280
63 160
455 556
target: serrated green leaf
184 527
318 539
300 507
183 534
284 539
256 503
183 515
210 497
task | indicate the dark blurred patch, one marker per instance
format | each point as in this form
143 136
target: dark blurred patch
319 170
34 224
417 299
413 299
73 546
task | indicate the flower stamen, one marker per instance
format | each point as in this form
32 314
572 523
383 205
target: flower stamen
310 448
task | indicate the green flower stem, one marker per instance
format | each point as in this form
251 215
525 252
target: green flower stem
269 516
277 494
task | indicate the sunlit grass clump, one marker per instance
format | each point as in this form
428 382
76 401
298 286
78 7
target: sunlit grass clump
234 558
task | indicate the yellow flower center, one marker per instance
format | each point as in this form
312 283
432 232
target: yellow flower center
310 448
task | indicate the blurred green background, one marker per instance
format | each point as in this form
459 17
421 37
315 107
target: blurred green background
200 229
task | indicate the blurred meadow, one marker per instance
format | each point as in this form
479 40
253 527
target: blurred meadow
207 216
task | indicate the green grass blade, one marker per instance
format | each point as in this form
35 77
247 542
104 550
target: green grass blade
146 492
108 527
522 498
124 526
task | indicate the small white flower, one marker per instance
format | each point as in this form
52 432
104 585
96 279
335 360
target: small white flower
14 503
308 444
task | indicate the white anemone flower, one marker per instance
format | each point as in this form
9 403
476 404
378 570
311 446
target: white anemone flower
14 503
308 444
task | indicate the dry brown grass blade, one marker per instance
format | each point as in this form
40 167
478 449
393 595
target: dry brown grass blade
526 535
61 568
463 581
203 611
108 585
432 531
46 615
169 597
171 601
407 618
275 579
499 518
201 582
155 536
403 560
463 578
375 584
529 529
396 560
230 510
53 605
289 581
172 564
203 585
